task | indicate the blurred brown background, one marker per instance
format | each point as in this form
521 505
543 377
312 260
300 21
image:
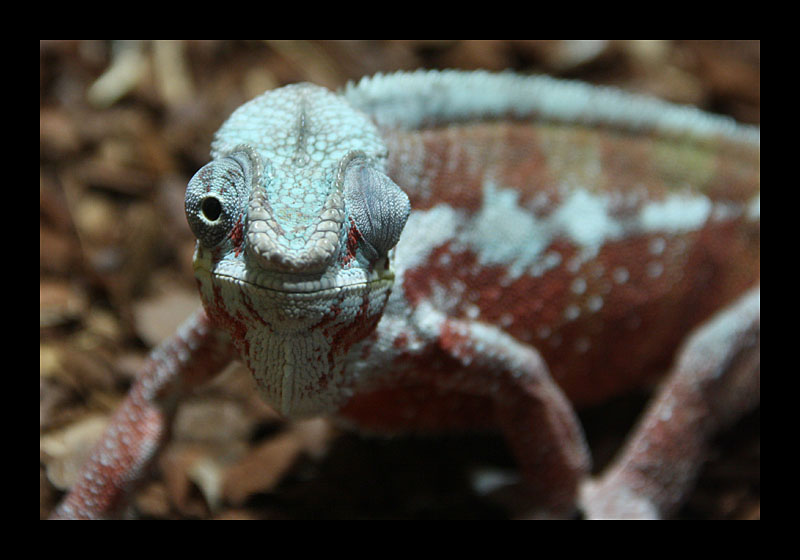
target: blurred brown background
124 125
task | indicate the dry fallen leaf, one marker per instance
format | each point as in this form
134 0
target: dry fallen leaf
263 468
67 449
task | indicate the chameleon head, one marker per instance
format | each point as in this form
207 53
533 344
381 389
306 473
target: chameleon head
296 221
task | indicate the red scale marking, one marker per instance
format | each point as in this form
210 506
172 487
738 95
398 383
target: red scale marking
627 164
248 303
344 336
413 402
235 326
458 160
204 176
353 238
463 184
733 178
524 164
641 321
401 341
237 235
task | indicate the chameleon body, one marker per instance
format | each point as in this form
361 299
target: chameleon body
444 250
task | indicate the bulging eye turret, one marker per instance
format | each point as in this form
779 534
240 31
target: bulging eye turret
377 205
217 195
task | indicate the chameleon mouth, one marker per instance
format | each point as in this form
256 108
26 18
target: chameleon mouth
296 285
316 287
236 272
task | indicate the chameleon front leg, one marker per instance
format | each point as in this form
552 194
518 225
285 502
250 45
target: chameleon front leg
538 421
136 431
716 379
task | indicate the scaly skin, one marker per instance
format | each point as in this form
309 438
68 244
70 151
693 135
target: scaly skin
562 242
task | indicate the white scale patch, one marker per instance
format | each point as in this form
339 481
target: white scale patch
407 100
504 233
676 214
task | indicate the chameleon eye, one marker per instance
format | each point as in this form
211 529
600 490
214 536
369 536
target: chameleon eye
377 205
216 196
211 208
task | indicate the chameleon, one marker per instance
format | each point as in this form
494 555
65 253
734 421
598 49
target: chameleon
443 250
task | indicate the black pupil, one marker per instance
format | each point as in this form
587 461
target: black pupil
211 208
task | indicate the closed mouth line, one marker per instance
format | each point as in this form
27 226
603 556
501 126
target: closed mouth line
332 289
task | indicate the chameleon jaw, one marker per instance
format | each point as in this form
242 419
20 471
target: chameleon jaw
294 342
